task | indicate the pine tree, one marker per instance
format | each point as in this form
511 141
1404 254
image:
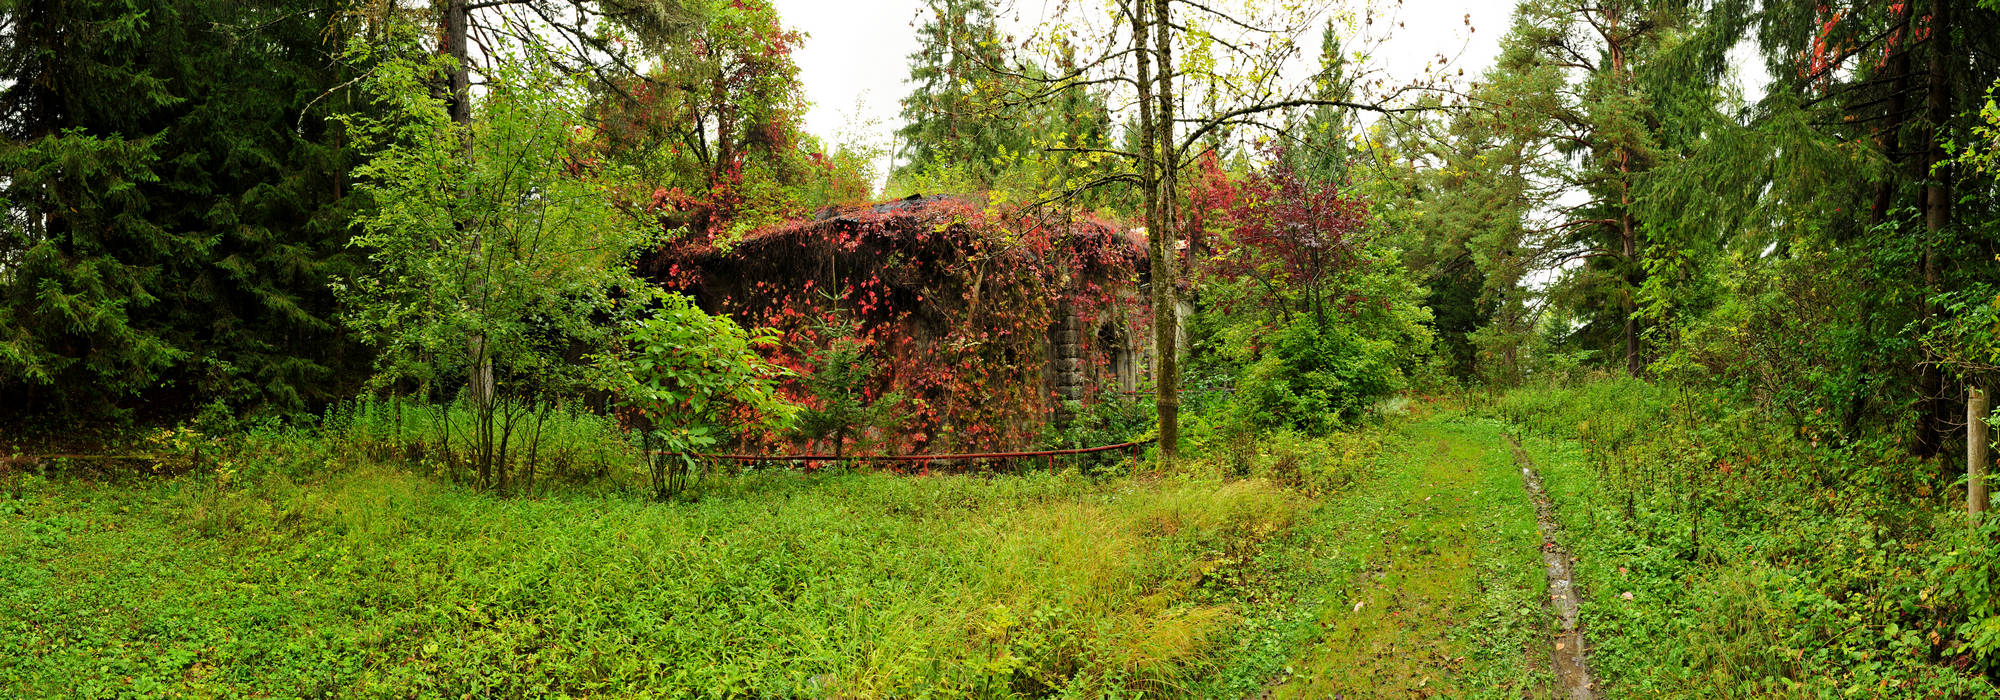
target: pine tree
1567 111
1323 134
1892 83
944 123
177 205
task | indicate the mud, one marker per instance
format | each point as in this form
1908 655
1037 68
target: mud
1571 662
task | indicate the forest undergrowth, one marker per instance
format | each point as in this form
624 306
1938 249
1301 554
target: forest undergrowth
1722 554
1718 555
305 564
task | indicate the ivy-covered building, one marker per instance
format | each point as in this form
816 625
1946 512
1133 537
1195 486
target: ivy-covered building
987 326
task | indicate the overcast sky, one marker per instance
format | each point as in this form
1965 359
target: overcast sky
856 54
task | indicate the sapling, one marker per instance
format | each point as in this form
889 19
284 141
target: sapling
844 405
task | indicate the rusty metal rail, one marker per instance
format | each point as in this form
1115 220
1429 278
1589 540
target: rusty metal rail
36 458
1050 454
1133 447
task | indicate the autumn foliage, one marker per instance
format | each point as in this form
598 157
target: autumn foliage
1294 237
953 303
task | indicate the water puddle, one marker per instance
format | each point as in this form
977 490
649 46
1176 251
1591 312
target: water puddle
1571 666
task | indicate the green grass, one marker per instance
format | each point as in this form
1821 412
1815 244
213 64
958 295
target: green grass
372 581
1435 584
1759 561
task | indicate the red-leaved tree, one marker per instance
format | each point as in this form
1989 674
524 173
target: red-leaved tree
1294 236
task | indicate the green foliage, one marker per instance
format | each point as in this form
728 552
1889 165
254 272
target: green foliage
841 401
1759 559
176 206
1315 379
714 128
693 380
1971 584
1983 153
499 249
1112 419
561 446
1322 152
375 581
981 119
1318 465
1309 373
946 126
1812 336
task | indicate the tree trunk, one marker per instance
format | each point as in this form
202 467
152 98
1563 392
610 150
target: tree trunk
457 29
1158 254
1630 239
1889 141
457 44
1932 421
1166 281
1977 446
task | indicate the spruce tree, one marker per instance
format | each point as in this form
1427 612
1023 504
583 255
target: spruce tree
176 205
944 125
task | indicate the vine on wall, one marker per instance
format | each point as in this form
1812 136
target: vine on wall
954 302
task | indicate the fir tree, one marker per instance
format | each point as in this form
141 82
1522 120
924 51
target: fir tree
176 205
944 124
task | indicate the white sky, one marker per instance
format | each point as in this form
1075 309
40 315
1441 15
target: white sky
856 54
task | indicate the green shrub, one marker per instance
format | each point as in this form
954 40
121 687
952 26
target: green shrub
692 381
1971 585
839 407
1316 378
1112 419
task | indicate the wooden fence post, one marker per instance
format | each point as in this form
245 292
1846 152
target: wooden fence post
1977 450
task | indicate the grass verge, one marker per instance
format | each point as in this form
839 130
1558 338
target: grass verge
372 582
1721 555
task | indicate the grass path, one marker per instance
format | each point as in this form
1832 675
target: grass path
1443 595
1421 577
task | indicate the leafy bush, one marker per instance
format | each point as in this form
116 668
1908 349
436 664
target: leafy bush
1315 378
1111 420
1971 583
1315 465
691 381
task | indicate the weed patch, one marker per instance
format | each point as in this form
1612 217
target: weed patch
375 581
1721 555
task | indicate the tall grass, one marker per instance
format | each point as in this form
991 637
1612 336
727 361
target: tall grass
549 444
377 581
1723 553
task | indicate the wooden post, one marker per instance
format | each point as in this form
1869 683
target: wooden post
1977 446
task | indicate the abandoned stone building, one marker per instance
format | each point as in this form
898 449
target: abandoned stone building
986 326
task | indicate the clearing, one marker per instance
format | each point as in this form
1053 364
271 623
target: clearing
1421 576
